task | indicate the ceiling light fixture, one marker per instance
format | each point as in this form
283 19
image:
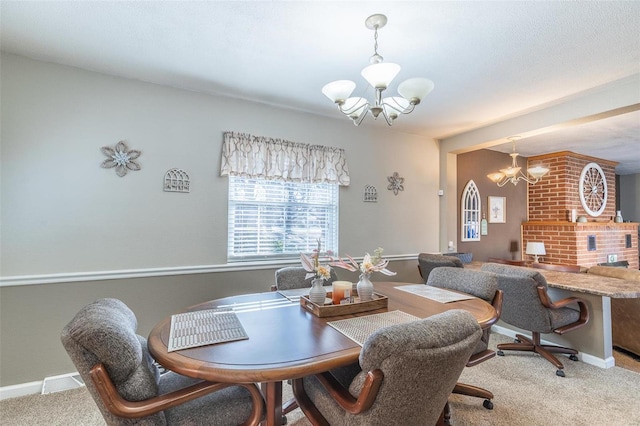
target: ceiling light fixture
379 75
514 174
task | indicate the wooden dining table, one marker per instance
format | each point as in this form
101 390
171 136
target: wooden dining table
286 341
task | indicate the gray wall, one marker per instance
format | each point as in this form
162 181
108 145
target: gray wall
629 196
33 316
477 165
66 221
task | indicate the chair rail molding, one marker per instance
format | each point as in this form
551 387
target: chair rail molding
18 280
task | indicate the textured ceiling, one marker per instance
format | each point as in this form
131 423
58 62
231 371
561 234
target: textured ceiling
488 59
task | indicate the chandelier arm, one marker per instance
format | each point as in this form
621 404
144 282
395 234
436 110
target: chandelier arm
356 107
409 109
364 113
503 183
526 179
387 118
397 107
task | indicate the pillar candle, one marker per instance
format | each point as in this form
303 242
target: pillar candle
338 289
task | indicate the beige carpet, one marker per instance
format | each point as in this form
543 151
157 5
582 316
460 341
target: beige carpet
527 392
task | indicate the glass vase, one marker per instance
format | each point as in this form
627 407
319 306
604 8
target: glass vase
365 288
317 294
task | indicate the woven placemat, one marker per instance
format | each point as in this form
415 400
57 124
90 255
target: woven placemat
359 329
206 327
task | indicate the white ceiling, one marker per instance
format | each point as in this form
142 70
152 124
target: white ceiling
488 59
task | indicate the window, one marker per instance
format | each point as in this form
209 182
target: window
270 219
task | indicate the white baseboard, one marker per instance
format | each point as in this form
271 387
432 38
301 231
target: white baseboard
23 389
584 357
48 385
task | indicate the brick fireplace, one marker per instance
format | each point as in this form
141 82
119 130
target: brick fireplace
550 202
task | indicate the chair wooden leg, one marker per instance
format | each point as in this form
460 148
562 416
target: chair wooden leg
289 406
474 391
445 416
470 390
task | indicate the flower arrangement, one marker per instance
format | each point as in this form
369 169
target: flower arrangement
311 264
369 264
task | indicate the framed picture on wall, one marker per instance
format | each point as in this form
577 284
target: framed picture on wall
497 210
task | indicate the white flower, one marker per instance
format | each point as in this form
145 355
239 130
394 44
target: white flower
369 264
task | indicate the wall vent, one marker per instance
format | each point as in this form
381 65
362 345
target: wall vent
61 383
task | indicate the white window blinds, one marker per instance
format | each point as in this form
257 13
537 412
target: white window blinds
277 219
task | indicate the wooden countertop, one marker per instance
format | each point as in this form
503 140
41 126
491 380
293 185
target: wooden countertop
584 283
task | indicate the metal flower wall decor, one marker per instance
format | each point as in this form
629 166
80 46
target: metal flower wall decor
120 157
396 183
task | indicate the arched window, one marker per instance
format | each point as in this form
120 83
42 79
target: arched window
470 213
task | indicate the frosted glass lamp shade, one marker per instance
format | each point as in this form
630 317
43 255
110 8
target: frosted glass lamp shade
415 89
495 177
537 172
380 75
394 106
338 90
354 107
510 171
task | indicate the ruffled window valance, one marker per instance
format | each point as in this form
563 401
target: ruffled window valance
261 157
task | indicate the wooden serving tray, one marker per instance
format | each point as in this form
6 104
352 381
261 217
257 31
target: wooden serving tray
379 301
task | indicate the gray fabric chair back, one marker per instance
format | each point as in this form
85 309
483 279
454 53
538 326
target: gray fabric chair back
421 362
293 277
521 305
480 284
105 331
429 262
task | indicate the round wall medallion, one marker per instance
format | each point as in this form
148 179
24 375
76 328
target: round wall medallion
593 189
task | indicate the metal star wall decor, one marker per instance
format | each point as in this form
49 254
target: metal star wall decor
396 183
120 157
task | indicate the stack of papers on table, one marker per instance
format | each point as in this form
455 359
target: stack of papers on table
434 293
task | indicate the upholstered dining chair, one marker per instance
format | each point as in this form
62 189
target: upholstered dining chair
427 262
485 286
125 383
291 277
527 305
406 373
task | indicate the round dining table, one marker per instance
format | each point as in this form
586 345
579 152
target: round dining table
286 340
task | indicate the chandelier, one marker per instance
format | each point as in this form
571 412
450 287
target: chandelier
379 75
514 173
